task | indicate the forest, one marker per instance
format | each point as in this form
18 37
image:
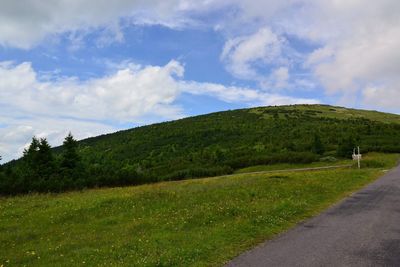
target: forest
201 146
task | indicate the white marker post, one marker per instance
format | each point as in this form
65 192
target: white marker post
357 156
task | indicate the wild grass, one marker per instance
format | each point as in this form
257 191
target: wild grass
202 222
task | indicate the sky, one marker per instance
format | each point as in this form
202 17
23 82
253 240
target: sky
97 66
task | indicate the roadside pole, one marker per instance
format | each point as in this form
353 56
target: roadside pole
357 156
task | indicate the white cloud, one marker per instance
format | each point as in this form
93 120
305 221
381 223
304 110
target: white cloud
377 97
242 54
24 25
233 94
277 80
127 94
357 43
359 50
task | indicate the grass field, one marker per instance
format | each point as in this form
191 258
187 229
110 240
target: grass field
202 222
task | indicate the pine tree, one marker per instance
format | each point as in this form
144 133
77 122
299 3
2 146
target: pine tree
44 153
70 158
30 155
71 165
45 160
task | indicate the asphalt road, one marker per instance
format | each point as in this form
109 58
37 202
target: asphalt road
362 230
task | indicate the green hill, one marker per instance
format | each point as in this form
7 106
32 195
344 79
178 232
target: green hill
222 142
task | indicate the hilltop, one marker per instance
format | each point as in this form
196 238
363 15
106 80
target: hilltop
334 112
222 142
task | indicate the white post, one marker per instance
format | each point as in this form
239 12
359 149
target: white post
358 157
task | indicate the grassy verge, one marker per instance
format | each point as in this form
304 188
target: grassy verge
201 222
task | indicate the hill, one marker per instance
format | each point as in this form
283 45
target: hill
222 142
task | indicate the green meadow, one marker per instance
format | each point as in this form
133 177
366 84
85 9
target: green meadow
202 222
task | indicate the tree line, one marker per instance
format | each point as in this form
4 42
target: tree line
39 170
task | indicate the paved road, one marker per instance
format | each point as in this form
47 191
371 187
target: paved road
363 230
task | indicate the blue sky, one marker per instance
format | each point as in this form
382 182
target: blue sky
93 67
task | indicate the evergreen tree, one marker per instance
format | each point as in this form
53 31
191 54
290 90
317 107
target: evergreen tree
45 160
30 155
70 158
38 158
45 155
71 166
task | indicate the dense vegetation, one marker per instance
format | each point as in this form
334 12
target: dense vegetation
206 145
202 222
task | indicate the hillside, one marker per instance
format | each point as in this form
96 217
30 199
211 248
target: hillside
222 142
233 138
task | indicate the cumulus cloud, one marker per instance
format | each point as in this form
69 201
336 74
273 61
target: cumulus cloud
234 94
377 97
364 54
127 94
242 54
357 44
278 79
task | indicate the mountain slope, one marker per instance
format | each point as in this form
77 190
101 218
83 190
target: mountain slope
219 143
232 139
